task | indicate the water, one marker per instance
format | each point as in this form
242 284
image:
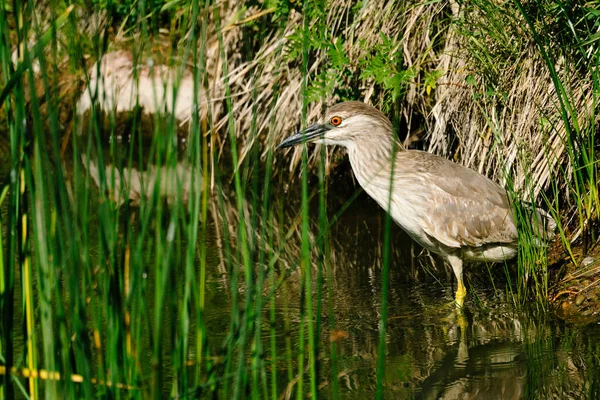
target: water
493 350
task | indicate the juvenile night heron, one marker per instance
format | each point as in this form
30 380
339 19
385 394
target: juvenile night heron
446 208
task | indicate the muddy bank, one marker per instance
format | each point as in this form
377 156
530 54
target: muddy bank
575 294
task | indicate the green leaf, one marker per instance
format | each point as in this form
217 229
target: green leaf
170 4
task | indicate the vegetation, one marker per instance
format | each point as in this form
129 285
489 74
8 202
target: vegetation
216 280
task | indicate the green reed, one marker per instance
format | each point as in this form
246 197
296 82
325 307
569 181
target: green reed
580 138
579 123
17 223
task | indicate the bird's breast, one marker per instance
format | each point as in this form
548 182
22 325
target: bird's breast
405 205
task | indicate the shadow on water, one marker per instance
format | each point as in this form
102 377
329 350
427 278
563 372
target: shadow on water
491 351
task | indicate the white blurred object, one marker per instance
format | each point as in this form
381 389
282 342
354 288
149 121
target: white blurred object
117 84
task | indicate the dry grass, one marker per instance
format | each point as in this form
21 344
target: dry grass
517 130
514 133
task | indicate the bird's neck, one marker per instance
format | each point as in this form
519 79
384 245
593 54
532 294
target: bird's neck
378 153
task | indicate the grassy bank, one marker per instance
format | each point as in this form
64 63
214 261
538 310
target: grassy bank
107 289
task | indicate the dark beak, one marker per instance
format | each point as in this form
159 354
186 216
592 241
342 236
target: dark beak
310 134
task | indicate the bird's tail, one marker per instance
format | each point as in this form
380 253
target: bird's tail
544 226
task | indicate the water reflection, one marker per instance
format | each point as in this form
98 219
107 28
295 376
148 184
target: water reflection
491 351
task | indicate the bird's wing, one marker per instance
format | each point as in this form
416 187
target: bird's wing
464 221
461 207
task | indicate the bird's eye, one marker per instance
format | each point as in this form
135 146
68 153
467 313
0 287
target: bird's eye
335 121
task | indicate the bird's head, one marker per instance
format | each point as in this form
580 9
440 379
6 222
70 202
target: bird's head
345 124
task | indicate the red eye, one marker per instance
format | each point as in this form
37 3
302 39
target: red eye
335 121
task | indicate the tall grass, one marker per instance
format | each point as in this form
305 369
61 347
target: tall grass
113 294
580 126
545 152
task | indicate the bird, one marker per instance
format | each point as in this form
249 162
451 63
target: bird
445 207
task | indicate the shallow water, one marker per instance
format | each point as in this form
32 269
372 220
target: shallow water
492 350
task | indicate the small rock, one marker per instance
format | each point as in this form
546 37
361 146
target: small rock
579 299
587 261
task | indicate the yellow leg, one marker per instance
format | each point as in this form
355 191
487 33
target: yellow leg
461 293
